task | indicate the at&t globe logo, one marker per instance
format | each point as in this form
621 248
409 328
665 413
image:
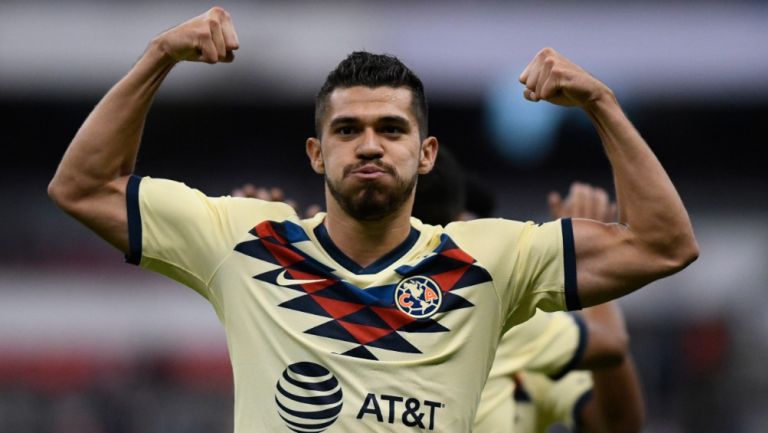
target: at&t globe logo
418 297
308 397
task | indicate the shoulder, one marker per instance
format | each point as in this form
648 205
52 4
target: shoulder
494 227
170 208
173 192
498 234
541 326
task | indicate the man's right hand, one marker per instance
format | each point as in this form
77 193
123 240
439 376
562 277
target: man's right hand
274 194
210 38
583 201
90 183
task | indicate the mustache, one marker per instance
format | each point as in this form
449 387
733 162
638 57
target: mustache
377 162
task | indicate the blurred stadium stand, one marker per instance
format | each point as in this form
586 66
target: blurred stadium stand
88 344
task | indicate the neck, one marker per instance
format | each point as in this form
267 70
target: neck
366 241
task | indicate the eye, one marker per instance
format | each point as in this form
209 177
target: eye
392 130
345 130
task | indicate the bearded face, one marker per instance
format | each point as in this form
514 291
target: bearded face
370 152
371 199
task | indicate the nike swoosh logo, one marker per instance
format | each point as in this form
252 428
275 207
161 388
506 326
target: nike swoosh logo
283 281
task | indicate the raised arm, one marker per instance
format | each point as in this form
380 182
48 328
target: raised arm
90 182
617 404
607 338
654 237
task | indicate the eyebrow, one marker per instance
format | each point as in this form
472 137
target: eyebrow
394 119
346 120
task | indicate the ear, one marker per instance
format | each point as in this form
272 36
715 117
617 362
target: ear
315 155
428 154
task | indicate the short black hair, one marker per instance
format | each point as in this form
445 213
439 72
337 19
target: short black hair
362 68
441 193
481 200
448 190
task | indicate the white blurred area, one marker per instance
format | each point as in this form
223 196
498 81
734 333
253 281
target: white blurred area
701 50
113 315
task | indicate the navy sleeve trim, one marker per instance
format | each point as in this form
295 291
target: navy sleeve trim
572 301
578 354
578 408
520 394
134 220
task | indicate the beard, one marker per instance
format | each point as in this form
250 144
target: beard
371 201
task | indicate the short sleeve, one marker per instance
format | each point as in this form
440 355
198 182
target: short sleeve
179 232
543 272
558 401
532 265
548 343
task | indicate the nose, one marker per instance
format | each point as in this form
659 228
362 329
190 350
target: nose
369 146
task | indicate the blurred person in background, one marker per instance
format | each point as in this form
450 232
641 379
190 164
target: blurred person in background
607 399
317 310
529 388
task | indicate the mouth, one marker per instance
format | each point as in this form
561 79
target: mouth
368 171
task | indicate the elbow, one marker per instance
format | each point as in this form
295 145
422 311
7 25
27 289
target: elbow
605 349
686 252
676 254
616 350
57 193
64 194
621 345
688 246
613 343
692 252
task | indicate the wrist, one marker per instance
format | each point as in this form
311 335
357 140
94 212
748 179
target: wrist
601 100
159 51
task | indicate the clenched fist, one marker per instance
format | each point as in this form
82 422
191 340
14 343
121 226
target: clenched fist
583 201
209 38
553 78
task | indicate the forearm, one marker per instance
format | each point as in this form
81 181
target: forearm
648 202
608 340
91 182
107 143
618 398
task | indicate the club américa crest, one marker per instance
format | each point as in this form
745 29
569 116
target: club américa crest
418 296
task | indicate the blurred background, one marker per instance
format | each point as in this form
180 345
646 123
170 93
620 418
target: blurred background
90 344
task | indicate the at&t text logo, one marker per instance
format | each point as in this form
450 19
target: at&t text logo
411 412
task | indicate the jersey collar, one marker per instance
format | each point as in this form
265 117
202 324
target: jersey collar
380 264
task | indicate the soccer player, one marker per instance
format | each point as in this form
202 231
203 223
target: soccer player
606 399
602 400
361 318
534 360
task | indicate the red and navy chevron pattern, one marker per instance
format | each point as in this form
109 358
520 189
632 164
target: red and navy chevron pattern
365 317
